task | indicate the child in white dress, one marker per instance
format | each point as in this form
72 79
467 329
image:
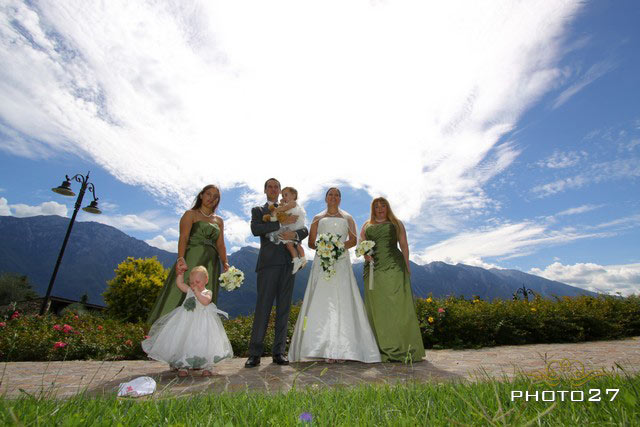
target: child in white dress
192 335
289 206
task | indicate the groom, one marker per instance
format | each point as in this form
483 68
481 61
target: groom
275 280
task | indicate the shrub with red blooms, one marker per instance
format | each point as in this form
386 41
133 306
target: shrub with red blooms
70 337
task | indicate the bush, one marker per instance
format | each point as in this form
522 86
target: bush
131 294
457 323
69 337
445 323
15 288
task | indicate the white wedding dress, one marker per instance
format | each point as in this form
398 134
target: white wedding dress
332 323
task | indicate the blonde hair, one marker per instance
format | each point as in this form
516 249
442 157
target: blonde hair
200 269
292 191
390 216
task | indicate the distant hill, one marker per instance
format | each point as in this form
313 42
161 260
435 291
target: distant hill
30 246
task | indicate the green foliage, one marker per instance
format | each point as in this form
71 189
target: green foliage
69 337
456 322
460 324
131 293
15 288
409 404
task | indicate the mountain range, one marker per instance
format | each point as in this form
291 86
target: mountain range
30 246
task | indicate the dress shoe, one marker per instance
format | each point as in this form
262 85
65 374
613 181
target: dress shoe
280 359
252 362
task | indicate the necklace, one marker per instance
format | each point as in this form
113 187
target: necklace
204 214
335 214
379 222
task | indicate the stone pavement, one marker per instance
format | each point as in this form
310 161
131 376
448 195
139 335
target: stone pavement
65 379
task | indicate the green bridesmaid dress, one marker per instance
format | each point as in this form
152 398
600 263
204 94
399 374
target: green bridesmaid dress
201 250
389 304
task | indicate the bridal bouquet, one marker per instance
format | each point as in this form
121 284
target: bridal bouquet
231 279
365 247
329 247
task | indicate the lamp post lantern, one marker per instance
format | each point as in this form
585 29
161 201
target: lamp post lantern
65 190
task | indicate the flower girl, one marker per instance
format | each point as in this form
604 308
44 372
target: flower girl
192 335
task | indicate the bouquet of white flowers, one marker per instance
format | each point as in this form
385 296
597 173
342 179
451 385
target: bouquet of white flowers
231 279
329 247
365 247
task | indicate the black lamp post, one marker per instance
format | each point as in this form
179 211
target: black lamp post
525 293
65 190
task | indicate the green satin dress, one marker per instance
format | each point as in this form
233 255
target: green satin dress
389 304
201 250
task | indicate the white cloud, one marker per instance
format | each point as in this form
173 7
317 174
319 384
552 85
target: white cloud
161 243
172 232
559 160
628 168
504 241
4 207
593 73
578 210
129 222
237 232
171 95
593 277
47 208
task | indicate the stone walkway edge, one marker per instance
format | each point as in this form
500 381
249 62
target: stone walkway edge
68 378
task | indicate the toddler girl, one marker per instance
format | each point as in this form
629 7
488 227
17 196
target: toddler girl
288 204
192 335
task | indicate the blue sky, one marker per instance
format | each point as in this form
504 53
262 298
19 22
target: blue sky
505 134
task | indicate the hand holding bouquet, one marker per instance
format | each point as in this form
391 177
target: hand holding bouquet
231 279
365 248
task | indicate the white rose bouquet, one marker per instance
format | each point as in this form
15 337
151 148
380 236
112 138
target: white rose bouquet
232 278
329 247
365 247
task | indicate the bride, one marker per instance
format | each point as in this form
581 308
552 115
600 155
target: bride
332 323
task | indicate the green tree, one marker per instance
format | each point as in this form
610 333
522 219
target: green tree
15 288
131 293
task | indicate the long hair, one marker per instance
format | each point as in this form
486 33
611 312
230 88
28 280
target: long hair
390 216
198 202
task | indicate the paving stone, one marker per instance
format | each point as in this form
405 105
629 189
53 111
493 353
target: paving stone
68 378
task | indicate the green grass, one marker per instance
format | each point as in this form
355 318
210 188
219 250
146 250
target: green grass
483 403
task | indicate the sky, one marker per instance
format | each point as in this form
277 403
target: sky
505 134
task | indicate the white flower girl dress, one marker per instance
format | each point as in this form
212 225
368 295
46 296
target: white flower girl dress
189 337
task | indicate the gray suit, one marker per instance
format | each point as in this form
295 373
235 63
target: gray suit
275 281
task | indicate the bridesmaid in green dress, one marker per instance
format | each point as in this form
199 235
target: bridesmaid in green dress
389 304
201 242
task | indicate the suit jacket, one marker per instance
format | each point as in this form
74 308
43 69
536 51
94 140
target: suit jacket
270 254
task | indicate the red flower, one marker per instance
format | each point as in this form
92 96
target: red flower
57 327
128 342
66 328
15 315
2 324
59 344
75 317
99 327
441 310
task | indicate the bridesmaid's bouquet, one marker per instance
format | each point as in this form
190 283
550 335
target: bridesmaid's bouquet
329 247
365 247
232 278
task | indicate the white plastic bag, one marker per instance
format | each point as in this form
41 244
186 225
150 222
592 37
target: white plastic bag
140 386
